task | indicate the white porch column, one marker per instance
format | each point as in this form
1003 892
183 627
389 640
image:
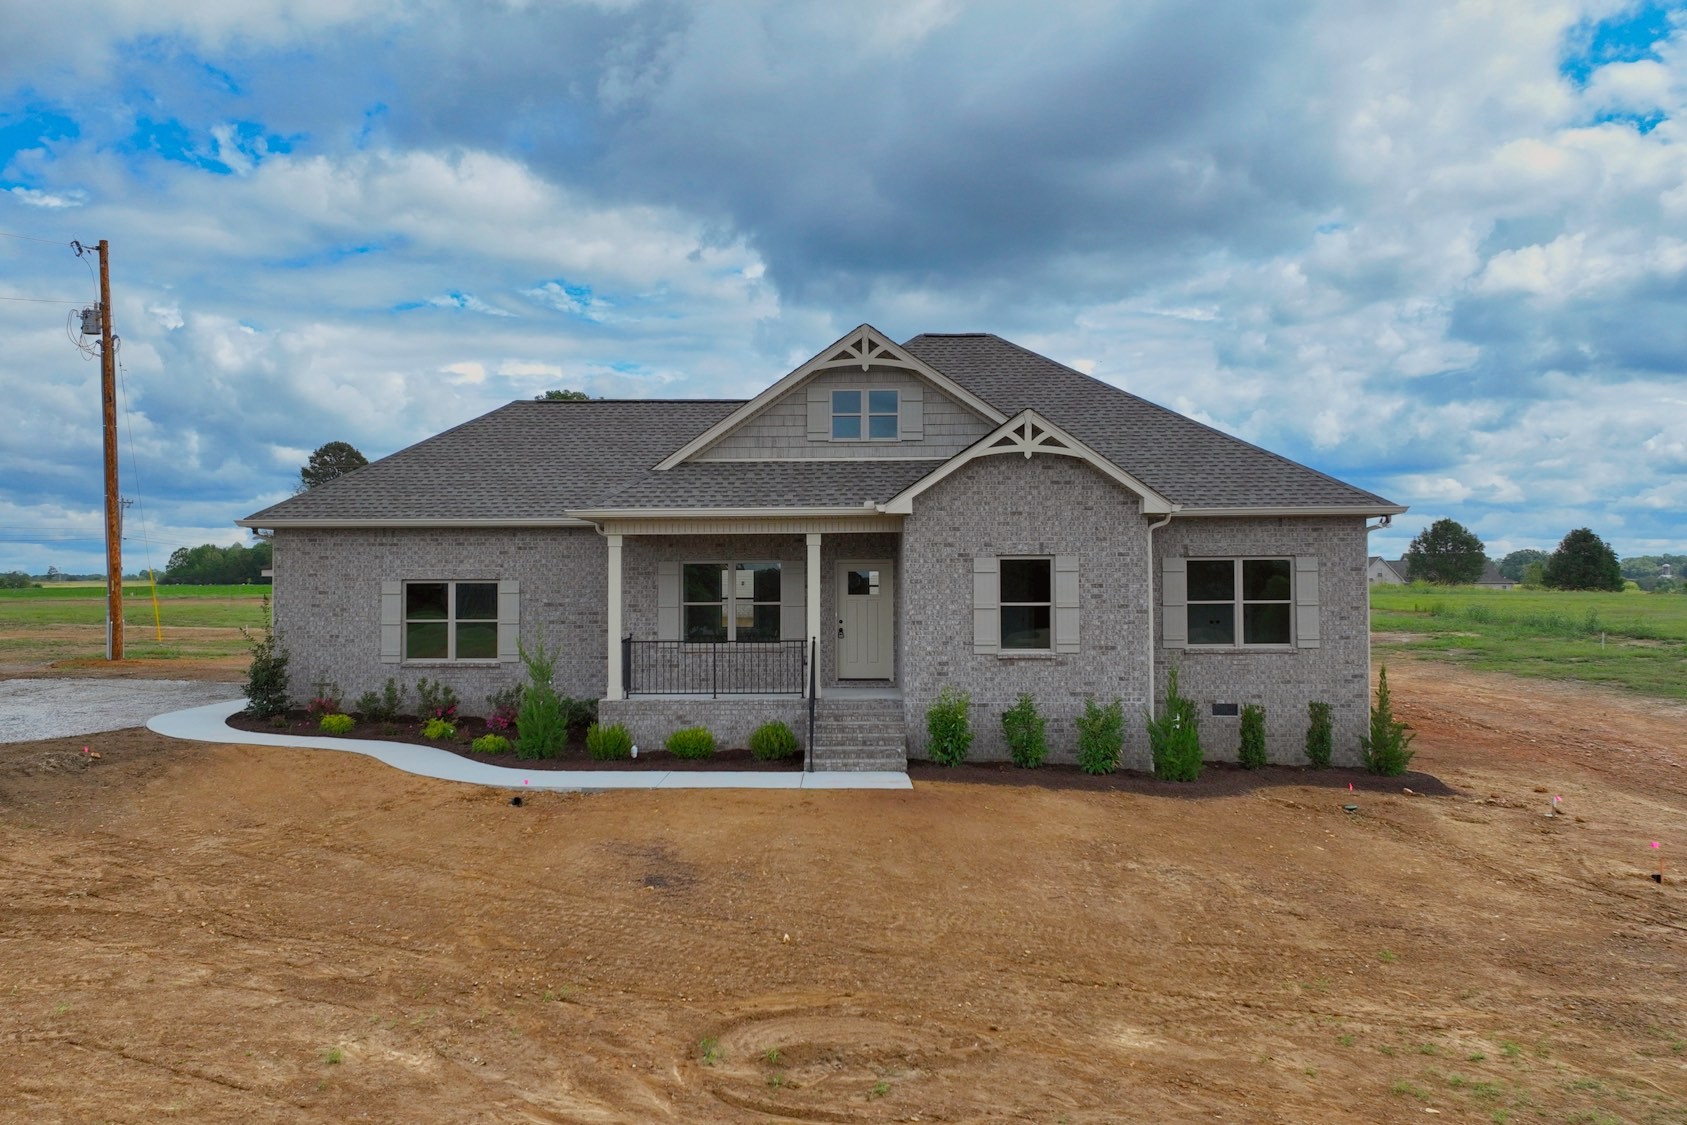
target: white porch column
616 689
813 594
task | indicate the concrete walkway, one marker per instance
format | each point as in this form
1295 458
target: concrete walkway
205 724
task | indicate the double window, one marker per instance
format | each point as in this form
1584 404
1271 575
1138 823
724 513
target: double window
1240 601
450 621
865 415
730 601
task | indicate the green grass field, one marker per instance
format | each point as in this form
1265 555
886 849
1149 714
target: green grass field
1630 640
67 622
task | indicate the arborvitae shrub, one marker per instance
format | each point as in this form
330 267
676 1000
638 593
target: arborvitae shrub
1385 747
1251 756
1319 741
541 725
266 676
1174 738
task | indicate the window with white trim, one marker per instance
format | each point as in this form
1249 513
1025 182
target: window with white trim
730 601
451 621
865 415
1027 603
1240 602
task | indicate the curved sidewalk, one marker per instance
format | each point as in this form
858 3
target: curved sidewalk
205 724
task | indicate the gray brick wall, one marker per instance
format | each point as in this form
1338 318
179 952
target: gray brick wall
1005 505
1337 672
328 603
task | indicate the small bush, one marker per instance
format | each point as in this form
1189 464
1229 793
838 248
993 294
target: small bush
950 727
1101 736
369 706
336 724
266 676
541 723
324 700
691 742
435 700
1386 746
1174 738
490 744
773 741
439 729
1319 741
578 714
1026 732
386 706
1252 752
608 744
503 707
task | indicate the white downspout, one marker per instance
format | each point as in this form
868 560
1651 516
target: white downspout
1382 522
1151 529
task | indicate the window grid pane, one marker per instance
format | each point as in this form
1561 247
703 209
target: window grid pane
746 608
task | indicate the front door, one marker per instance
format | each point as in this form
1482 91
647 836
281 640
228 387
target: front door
866 619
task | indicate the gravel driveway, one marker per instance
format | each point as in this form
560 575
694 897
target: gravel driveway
63 708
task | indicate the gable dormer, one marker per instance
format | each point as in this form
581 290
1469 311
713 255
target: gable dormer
862 397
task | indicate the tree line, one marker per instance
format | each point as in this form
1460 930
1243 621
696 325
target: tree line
1448 553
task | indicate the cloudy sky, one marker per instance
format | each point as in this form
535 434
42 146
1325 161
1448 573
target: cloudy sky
1436 249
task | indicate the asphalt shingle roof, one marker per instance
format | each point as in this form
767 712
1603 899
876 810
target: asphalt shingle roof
543 460
1187 462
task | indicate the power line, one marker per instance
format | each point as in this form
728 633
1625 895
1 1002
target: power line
32 238
46 300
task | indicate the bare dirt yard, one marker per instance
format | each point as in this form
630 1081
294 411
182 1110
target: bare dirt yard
212 933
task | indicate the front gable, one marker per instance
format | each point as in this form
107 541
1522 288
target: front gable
862 397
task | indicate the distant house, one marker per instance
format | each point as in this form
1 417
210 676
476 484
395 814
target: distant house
884 521
1392 572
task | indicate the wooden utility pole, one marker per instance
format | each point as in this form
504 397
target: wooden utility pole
113 510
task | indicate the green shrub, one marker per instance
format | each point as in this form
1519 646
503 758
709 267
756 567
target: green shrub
1385 747
336 724
266 676
1252 753
369 706
1319 741
578 714
439 729
1026 732
1174 738
691 742
773 741
542 725
949 726
1101 736
608 744
503 707
435 700
384 707
490 744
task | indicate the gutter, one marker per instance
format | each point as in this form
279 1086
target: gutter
1167 518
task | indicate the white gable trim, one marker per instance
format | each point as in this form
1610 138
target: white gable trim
1026 433
863 347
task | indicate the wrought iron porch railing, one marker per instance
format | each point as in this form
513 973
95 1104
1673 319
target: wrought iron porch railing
713 667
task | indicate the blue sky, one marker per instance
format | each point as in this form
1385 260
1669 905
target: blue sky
1439 250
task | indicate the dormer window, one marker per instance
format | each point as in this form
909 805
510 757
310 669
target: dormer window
865 415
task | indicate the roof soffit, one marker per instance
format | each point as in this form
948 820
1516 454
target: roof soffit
862 348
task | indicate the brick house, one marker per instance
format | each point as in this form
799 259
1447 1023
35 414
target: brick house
883 521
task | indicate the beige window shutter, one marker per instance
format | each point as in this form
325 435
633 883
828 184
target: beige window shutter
1308 625
1066 603
793 603
509 622
986 604
912 423
667 601
1174 603
819 413
392 622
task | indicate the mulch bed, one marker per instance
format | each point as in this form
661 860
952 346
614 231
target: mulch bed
1218 779
573 756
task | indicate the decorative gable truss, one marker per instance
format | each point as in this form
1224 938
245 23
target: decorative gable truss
865 349
1028 433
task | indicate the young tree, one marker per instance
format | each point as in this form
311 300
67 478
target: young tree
1445 552
1583 562
335 459
1514 564
562 396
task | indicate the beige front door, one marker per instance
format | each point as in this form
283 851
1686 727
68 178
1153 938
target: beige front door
866 619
